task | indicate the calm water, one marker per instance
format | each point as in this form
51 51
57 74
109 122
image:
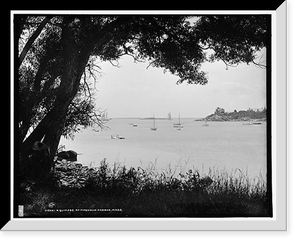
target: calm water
221 145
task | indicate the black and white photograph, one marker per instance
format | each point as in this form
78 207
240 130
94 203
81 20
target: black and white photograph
148 115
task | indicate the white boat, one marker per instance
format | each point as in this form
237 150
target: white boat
116 137
252 123
153 128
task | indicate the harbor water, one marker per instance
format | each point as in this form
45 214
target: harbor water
223 146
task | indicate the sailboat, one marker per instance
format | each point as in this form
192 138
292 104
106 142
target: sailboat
104 116
205 123
153 128
178 125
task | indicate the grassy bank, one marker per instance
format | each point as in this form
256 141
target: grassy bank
115 191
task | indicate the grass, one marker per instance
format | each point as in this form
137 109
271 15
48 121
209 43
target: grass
115 191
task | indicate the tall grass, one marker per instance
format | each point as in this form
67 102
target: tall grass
139 192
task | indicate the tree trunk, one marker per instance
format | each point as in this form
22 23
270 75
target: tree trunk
50 129
56 124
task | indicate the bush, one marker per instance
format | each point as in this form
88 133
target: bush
149 193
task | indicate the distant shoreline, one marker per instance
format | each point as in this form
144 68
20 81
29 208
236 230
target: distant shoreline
150 118
200 119
232 120
146 118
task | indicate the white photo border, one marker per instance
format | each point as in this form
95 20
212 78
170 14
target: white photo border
279 158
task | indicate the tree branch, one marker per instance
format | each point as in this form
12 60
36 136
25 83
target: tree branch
32 39
85 84
130 52
150 64
259 64
262 66
115 65
93 116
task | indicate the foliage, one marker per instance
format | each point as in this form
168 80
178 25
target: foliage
233 39
146 192
240 115
219 111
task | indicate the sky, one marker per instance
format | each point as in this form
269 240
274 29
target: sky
132 90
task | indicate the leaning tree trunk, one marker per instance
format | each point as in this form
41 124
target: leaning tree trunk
49 132
50 129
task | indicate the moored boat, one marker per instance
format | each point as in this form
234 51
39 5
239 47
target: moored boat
205 123
178 125
153 128
116 137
